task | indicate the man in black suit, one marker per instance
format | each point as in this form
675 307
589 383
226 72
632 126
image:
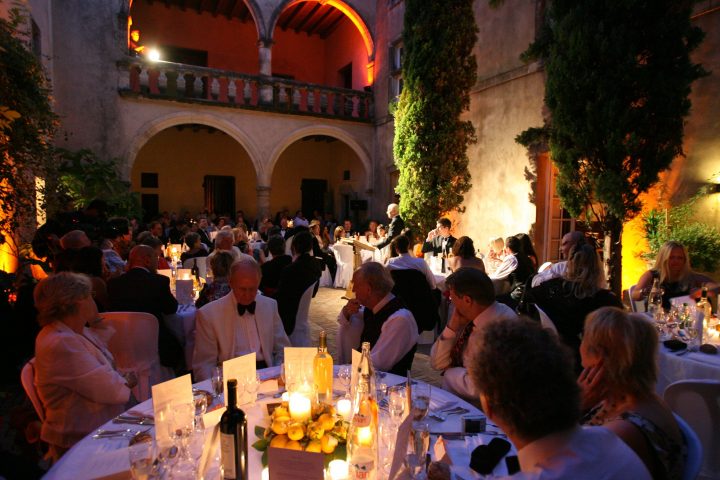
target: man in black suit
439 241
142 289
297 277
396 225
271 269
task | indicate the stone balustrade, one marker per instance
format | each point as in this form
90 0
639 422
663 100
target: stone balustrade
188 83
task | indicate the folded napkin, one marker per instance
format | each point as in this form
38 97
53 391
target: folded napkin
485 457
675 344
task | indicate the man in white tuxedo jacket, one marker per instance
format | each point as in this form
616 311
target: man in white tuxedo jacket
239 323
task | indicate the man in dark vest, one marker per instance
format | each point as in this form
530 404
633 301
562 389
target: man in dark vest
375 315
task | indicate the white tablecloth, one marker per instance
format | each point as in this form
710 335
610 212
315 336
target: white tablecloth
90 459
687 366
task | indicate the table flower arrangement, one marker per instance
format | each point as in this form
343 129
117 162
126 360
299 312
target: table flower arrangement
324 432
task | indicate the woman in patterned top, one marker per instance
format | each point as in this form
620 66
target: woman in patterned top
618 354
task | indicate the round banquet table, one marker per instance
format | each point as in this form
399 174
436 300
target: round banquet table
108 458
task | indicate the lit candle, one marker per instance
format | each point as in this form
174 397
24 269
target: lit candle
338 470
285 397
300 407
265 475
365 436
344 408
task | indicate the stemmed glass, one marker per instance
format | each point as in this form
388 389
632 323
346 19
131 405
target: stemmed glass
345 376
252 385
181 428
417 449
420 402
397 401
217 381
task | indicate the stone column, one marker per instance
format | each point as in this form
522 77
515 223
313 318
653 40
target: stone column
265 57
263 201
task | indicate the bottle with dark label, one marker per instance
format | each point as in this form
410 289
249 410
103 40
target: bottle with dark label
195 271
233 437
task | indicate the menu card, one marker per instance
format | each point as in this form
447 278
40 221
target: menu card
299 365
239 368
164 396
184 292
285 464
401 445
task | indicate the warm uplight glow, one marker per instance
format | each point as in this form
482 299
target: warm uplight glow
153 54
357 21
365 436
40 214
370 72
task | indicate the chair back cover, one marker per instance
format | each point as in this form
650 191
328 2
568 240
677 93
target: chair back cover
545 320
693 462
344 259
635 305
135 348
698 403
301 335
27 378
201 264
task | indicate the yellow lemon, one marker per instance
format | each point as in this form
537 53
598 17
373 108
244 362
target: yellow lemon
315 431
314 446
327 421
279 427
296 431
279 441
293 445
328 443
280 412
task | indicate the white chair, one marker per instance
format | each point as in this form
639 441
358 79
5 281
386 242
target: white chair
698 403
301 335
635 305
544 267
27 378
326 278
201 264
344 259
545 321
694 459
135 348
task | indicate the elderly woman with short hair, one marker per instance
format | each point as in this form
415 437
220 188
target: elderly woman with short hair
220 264
77 384
618 352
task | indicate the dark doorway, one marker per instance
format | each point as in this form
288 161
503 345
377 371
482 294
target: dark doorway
219 194
150 203
345 76
313 195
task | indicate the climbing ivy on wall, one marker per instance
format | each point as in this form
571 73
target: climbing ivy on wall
431 139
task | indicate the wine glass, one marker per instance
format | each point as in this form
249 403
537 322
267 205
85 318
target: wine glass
420 402
217 381
181 428
142 459
252 385
397 400
417 449
345 376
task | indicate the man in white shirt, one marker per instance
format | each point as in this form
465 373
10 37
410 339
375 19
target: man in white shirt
375 315
557 270
405 261
239 323
527 387
473 298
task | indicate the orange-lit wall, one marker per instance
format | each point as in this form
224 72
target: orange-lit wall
299 55
231 44
345 46
182 158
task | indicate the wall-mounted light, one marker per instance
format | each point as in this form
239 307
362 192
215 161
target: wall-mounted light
153 54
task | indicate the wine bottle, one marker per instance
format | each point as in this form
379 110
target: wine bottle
233 437
362 444
704 306
195 271
323 371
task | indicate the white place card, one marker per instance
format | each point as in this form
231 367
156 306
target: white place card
299 365
184 292
240 368
285 464
164 396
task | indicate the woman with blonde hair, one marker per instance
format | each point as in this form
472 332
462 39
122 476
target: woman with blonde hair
618 354
75 378
674 275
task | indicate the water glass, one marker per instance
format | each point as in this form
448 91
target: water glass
217 381
420 402
397 401
142 460
417 450
345 376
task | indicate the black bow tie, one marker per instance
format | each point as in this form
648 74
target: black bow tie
250 308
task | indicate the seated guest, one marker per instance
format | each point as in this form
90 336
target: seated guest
224 240
155 243
112 245
142 289
618 354
195 247
375 315
514 271
202 228
219 287
473 296
463 255
317 244
495 255
157 230
339 234
178 231
556 270
405 261
347 229
676 278
439 241
272 268
301 274
77 384
371 234
568 300
527 248
75 239
239 323
527 388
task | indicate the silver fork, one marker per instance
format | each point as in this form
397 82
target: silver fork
442 415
